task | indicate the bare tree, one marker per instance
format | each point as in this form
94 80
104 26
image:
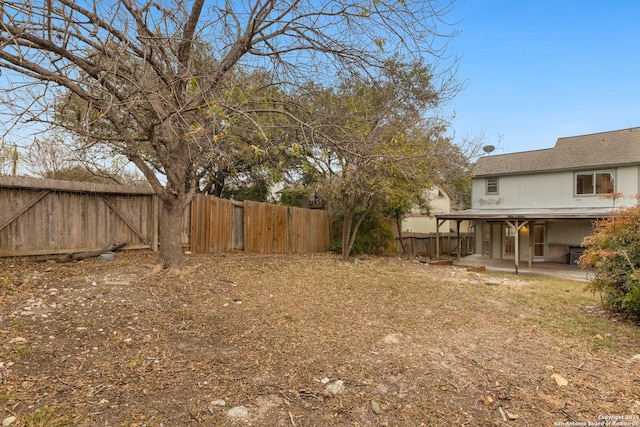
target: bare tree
134 72
9 157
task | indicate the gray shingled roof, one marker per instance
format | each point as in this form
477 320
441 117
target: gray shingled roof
596 150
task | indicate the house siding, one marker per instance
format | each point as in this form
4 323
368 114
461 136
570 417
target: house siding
417 222
627 181
538 187
569 233
552 190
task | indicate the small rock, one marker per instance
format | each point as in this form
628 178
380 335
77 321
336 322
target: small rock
391 339
325 380
375 407
217 402
561 381
487 400
127 341
336 387
512 416
18 340
27 313
238 412
8 421
635 358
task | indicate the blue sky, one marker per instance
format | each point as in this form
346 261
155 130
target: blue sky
539 70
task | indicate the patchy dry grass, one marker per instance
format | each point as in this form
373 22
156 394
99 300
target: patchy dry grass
412 345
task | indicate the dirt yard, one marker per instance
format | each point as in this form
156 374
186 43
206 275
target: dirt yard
306 341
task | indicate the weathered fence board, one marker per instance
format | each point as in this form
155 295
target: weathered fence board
265 228
40 217
219 225
308 230
47 216
211 225
424 245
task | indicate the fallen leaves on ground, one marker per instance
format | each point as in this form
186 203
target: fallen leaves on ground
304 340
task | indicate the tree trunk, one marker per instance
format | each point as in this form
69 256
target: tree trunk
399 226
171 234
218 183
349 235
346 233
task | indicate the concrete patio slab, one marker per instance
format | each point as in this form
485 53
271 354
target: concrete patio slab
546 269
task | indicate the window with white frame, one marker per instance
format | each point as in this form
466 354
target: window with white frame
492 186
594 182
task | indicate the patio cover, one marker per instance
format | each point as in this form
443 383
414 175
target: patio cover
518 218
530 214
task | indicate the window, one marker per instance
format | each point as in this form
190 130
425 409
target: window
597 182
492 185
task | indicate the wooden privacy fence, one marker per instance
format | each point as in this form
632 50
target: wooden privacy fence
41 216
219 225
424 245
49 217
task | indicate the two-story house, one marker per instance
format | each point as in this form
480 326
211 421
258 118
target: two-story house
539 205
419 222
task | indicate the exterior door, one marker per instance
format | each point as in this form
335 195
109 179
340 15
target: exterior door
486 239
508 242
538 241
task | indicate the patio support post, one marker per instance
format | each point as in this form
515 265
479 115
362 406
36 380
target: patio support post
531 243
517 257
438 224
517 226
459 241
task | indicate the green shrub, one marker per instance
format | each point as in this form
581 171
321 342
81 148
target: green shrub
374 237
614 252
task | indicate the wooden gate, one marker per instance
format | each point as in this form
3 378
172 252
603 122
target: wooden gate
46 216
